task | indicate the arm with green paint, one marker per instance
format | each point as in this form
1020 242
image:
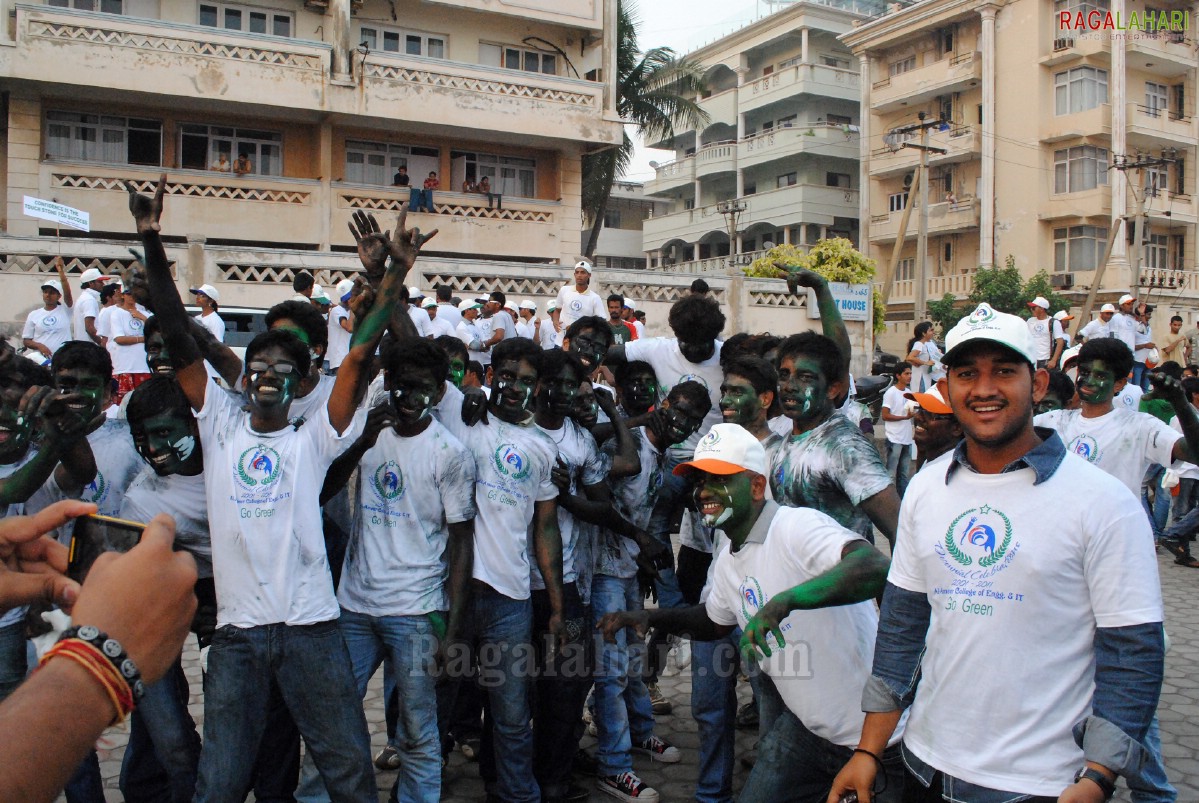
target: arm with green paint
831 322
626 462
64 449
373 247
339 473
859 576
1170 389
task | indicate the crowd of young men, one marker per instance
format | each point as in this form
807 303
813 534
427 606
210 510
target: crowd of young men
489 536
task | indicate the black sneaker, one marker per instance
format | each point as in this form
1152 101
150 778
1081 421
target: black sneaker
627 787
584 763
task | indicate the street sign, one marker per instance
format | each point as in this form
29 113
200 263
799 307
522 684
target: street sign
853 300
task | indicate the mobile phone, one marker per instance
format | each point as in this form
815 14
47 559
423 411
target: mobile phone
93 535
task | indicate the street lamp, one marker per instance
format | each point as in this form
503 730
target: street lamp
731 209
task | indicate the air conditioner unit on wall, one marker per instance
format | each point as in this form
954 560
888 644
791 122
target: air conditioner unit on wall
1062 281
907 180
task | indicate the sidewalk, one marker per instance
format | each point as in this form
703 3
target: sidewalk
1178 712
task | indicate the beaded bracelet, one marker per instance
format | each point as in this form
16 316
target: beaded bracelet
112 650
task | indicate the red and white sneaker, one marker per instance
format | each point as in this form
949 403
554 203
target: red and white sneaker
627 787
658 749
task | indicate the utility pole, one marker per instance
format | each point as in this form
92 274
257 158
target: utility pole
1140 164
919 184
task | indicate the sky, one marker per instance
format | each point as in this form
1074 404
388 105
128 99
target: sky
686 25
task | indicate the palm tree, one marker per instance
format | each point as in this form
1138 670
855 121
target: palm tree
654 91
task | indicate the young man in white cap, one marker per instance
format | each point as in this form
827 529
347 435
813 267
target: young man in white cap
629 316
1047 336
579 301
87 306
208 299
1055 643
419 317
469 333
47 328
550 330
1101 326
526 322
801 586
436 325
340 326
1124 323
1061 316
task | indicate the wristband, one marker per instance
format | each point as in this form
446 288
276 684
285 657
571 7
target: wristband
882 768
111 649
1099 779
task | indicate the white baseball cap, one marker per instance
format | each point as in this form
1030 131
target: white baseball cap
414 293
1108 308
319 295
207 290
931 400
53 284
1124 299
727 449
628 303
91 274
585 265
984 323
551 305
428 302
529 305
468 304
1039 301
1062 315
344 288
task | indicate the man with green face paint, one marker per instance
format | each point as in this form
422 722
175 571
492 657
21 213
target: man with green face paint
456 353
827 463
747 393
798 584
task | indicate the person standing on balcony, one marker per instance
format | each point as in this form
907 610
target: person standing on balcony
579 301
221 165
243 165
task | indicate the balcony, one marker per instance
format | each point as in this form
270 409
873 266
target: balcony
671 176
779 143
716 158
721 107
925 83
587 14
1170 53
958 284
1167 208
1093 204
799 79
57 46
946 217
1155 128
806 203
961 144
1096 122
1070 46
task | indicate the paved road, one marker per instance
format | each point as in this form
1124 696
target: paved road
1179 714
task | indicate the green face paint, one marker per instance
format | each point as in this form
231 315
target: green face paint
1096 382
1048 404
803 390
167 442
272 379
724 500
739 402
412 394
457 372
89 389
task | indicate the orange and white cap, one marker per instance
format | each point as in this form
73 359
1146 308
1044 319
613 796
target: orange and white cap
726 449
931 401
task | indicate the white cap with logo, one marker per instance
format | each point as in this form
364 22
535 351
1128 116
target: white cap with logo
427 302
91 274
1108 308
583 264
54 285
529 305
1125 299
1039 301
207 290
985 323
344 288
726 449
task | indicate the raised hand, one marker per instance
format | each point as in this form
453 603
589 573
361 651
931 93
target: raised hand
147 211
407 243
800 277
375 246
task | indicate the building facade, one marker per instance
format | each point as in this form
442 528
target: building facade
322 102
619 241
1031 118
777 161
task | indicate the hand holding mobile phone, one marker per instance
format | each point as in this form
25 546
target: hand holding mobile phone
94 535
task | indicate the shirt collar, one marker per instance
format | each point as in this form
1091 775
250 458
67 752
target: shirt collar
757 533
1043 459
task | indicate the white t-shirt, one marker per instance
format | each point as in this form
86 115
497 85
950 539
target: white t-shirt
639 326
103 321
925 376
396 562
131 358
117 464
822 669
900 432
440 327
420 319
1043 342
573 305
215 324
550 337
312 405
524 329
1124 327
513 465
588 466
339 338
672 368
268 546
1094 329
634 498
449 313
468 332
51 328
1124 443
501 320
1185 470
1018 576
87 305
1144 335
187 502
1129 398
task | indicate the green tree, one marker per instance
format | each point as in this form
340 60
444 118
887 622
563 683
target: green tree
654 92
946 312
1039 285
1002 288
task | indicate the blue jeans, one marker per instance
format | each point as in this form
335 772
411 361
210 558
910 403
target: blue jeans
311 667
501 628
163 743
1140 375
714 669
410 645
1159 510
670 498
560 690
899 464
623 713
795 764
1152 786
420 198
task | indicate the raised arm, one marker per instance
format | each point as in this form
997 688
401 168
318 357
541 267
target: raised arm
164 297
67 297
832 325
626 462
339 473
374 246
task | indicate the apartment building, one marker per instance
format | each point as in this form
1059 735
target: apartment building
619 242
777 161
1032 113
325 100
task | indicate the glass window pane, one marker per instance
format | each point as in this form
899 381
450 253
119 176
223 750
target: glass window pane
282 25
208 16
436 48
269 160
110 6
232 19
531 62
511 59
549 64
368 38
85 5
257 22
412 45
391 42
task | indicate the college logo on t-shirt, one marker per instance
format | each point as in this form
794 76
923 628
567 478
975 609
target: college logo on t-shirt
49 320
96 490
752 597
981 535
389 481
576 305
510 462
1085 447
258 466
693 378
136 325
